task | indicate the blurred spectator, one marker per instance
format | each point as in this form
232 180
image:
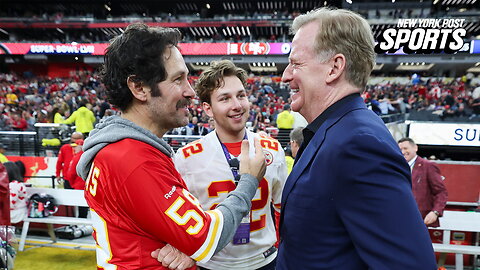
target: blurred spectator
200 129
211 124
4 197
18 193
76 182
83 118
289 159
12 98
296 140
3 158
17 122
55 116
21 168
65 155
284 124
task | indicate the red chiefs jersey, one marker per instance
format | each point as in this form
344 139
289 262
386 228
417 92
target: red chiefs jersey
139 203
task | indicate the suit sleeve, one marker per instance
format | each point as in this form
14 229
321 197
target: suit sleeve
374 201
437 187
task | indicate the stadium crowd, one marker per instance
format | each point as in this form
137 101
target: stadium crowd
27 99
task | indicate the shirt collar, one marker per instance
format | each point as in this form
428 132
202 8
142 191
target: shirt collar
411 163
310 130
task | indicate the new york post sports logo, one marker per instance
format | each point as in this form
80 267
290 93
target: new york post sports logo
423 36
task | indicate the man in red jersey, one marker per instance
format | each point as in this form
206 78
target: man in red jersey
138 201
65 156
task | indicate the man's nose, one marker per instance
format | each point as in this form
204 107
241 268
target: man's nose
189 92
236 103
287 74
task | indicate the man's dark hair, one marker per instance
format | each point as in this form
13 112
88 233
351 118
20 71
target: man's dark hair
138 54
406 139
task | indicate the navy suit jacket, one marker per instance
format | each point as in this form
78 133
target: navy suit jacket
348 202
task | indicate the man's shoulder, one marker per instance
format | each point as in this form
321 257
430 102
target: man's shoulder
65 147
425 162
130 151
269 143
198 148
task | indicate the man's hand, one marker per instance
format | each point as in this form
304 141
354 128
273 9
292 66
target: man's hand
173 258
59 180
430 218
255 166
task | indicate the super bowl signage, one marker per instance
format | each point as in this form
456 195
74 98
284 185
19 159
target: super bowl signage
445 134
61 49
423 36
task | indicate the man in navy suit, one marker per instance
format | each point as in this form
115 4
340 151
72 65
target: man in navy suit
348 202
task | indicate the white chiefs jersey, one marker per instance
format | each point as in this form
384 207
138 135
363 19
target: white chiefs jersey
205 169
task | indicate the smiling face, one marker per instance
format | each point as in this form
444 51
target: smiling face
170 109
305 73
409 150
229 106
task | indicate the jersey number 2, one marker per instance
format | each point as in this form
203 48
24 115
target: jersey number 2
226 186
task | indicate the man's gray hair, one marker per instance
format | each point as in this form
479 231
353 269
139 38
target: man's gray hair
342 32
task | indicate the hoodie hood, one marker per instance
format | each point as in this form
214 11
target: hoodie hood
83 111
113 129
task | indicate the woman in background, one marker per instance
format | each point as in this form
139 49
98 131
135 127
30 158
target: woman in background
18 193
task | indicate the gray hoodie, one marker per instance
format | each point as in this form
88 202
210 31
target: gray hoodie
115 128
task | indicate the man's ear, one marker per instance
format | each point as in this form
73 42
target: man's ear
207 109
337 66
137 88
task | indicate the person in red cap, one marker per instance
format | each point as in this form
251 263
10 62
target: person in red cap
65 155
76 181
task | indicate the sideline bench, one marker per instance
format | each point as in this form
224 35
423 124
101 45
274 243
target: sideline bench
458 221
68 197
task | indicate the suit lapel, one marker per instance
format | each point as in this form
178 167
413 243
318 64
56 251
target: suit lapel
314 146
417 167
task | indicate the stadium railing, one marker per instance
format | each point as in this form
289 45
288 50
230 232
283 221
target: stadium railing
458 221
22 143
29 143
390 118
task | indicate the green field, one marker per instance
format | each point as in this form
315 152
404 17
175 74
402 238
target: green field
48 258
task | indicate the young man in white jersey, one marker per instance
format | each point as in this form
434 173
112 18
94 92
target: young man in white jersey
209 167
139 202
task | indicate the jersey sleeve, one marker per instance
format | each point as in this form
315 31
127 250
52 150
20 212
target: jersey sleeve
281 174
277 170
185 152
162 206
179 161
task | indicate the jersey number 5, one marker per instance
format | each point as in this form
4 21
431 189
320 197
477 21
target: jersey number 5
92 180
191 214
